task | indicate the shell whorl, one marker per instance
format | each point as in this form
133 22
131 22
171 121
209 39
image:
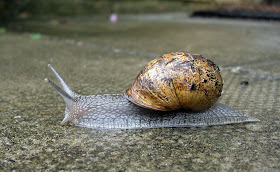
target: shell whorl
177 80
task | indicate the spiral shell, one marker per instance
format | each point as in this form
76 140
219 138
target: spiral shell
177 80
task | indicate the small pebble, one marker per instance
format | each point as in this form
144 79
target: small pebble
244 83
254 127
8 143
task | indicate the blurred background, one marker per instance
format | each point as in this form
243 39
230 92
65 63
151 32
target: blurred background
24 9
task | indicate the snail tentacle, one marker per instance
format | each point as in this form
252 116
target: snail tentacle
67 94
69 101
65 87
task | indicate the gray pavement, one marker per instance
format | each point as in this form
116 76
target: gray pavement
95 56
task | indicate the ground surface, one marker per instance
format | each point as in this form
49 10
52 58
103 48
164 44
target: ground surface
95 56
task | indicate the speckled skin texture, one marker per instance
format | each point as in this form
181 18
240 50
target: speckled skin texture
177 80
116 112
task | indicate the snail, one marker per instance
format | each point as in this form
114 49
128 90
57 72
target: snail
174 90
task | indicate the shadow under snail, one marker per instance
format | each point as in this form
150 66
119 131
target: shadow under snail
174 90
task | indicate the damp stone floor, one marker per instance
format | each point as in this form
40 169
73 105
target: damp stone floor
98 57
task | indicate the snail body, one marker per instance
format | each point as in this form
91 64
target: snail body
175 90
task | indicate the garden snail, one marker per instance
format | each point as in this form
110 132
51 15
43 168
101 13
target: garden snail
175 90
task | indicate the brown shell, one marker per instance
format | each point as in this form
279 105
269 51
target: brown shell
177 80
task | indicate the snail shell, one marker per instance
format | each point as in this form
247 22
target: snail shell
177 80
116 111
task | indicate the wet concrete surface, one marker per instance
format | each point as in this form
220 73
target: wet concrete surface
95 56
